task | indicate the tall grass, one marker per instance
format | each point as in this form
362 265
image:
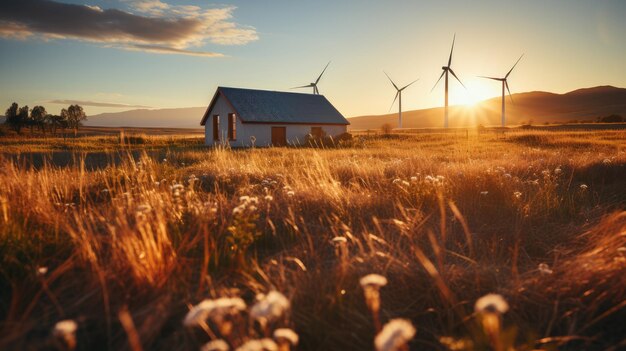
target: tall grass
126 248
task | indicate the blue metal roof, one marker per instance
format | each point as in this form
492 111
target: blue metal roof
262 106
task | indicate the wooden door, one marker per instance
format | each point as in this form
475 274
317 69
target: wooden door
279 136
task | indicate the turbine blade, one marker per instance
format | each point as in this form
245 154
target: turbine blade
391 80
303 86
457 78
321 74
441 76
451 50
408 85
507 75
509 90
394 100
489 78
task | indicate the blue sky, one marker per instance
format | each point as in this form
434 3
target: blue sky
568 44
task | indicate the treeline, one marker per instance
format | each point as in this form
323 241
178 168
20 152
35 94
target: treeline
18 118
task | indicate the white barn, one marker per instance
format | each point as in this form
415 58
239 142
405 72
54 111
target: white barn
246 117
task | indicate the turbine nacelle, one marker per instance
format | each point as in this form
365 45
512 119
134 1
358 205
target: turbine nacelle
314 84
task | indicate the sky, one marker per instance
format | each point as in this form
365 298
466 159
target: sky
116 55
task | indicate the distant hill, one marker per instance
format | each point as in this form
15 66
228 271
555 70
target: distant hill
538 106
186 117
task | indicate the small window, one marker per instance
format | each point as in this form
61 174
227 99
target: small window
317 132
216 127
232 126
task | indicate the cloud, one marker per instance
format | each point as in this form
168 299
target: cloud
168 50
154 26
94 103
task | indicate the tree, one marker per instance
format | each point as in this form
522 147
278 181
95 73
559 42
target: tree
611 119
22 116
75 116
38 117
12 117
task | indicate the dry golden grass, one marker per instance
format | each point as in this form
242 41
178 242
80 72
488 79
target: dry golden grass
133 238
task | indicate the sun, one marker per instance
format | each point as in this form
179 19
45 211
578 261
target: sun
477 91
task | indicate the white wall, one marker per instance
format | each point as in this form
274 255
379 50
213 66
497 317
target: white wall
296 133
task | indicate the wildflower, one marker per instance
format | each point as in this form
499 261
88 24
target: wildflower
490 309
258 345
41 271
395 335
607 161
215 345
290 193
396 181
491 303
371 285
285 338
244 198
339 240
413 179
269 307
374 280
198 313
558 170
64 334
214 309
517 194
269 198
507 175
484 193
544 269
583 187
405 183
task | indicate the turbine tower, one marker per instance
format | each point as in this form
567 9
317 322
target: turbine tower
399 97
447 69
505 83
314 85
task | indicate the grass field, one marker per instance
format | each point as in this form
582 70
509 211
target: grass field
124 239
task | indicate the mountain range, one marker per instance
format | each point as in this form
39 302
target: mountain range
537 106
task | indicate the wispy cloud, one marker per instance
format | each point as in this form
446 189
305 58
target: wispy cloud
152 26
94 103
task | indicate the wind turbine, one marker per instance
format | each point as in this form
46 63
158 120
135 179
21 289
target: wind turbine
399 97
314 85
447 69
505 83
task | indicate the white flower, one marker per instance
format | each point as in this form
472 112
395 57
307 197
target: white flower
339 240
396 181
395 334
373 280
213 309
258 345
64 328
517 194
413 179
270 307
269 198
286 334
215 345
244 198
290 193
544 269
198 313
583 187
493 303
42 271
484 193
